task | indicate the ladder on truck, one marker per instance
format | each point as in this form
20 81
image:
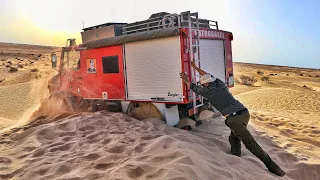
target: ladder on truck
193 41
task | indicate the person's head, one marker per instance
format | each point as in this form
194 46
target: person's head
92 64
206 79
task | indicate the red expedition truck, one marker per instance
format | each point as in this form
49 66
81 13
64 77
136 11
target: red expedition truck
120 63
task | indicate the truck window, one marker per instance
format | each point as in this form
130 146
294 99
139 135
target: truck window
71 59
110 64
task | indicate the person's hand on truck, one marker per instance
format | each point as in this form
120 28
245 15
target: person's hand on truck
201 72
193 64
184 78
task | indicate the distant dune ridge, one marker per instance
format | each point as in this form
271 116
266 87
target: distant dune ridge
103 145
281 99
29 46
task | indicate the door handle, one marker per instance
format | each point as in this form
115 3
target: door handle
157 98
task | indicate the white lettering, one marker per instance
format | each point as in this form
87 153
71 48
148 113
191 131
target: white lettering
211 34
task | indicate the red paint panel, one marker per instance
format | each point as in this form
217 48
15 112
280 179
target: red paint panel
185 65
94 84
229 59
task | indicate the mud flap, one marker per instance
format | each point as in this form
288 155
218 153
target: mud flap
172 115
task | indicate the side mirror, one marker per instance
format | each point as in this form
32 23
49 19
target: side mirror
53 60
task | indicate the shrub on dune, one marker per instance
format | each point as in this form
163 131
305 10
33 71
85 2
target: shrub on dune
247 80
265 79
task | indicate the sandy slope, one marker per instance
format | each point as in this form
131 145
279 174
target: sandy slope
21 96
281 99
21 91
283 109
19 101
31 62
114 146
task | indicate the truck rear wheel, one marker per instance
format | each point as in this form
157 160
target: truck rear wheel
65 101
143 110
54 83
57 102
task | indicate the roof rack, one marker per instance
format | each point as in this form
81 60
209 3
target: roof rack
164 20
102 25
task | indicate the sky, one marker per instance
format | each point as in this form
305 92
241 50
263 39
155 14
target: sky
279 32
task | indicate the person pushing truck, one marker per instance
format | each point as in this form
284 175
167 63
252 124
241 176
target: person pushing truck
237 116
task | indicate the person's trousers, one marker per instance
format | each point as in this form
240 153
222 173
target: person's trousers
239 132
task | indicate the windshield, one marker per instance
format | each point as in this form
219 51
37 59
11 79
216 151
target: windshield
71 59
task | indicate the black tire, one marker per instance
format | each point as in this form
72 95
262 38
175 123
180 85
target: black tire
68 101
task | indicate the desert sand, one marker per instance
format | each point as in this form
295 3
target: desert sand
287 108
105 145
24 71
114 146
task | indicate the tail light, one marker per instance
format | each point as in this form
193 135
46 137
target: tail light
231 37
231 80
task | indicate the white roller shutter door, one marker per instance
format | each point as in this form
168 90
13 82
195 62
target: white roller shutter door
212 57
152 69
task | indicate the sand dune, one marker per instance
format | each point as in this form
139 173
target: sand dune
281 99
291 118
22 90
286 108
28 62
19 101
20 97
113 146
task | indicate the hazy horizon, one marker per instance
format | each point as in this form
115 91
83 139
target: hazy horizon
266 32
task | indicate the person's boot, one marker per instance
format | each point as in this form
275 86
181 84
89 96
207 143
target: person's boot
235 146
275 169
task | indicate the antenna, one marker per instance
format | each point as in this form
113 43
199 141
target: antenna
82 24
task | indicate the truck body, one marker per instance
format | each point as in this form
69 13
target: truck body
143 62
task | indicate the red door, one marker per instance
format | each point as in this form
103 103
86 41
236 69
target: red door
102 73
